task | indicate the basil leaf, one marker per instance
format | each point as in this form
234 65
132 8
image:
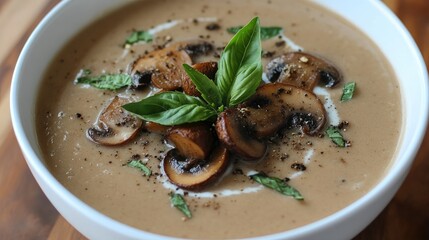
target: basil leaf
335 135
179 202
205 86
240 66
171 108
138 36
138 164
266 32
277 184
348 90
105 81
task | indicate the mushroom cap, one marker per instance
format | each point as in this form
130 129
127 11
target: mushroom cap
193 140
114 125
154 127
278 105
199 176
164 66
302 70
236 135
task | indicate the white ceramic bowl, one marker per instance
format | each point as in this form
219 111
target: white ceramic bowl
68 17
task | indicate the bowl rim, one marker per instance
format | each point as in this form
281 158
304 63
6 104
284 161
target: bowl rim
37 166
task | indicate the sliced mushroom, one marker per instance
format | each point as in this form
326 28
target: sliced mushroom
236 135
207 68
114 125
302 70
278 105
156 127
163 66
194 141
198 176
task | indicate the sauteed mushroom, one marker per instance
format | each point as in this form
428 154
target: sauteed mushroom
199 175
154 127
237 135
278 105
302 70
163 66
114 125
194 141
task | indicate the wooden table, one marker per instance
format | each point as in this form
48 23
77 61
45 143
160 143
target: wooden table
25 213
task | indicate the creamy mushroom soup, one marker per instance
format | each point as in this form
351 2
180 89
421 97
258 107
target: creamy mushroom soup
94 164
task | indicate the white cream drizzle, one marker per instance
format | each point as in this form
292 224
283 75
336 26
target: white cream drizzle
331 109
333 118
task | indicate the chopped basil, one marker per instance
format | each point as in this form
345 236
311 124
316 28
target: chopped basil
138 36
138 164
179 202
335 135
277 184
348 90
239 75
105 81
171 108
266 32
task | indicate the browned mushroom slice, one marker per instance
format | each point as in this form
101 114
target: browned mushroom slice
194 141
207 68
164 68
154 127
302 70
114 125
200 175
278 105
194 48
236 135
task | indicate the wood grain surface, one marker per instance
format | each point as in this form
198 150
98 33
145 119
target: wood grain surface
25 213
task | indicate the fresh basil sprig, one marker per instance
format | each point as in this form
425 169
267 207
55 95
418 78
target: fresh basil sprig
105 81
240 66
138 164
179 202
238 76
266 32
277 184
172 108
335 135
348 90
138 36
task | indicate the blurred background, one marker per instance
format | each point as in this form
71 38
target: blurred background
25 213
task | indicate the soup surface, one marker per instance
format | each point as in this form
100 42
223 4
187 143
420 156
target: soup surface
235 207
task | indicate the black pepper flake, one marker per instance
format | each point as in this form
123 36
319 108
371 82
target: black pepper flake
78 115
237 171
298 166
284 157
213 27
280 44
